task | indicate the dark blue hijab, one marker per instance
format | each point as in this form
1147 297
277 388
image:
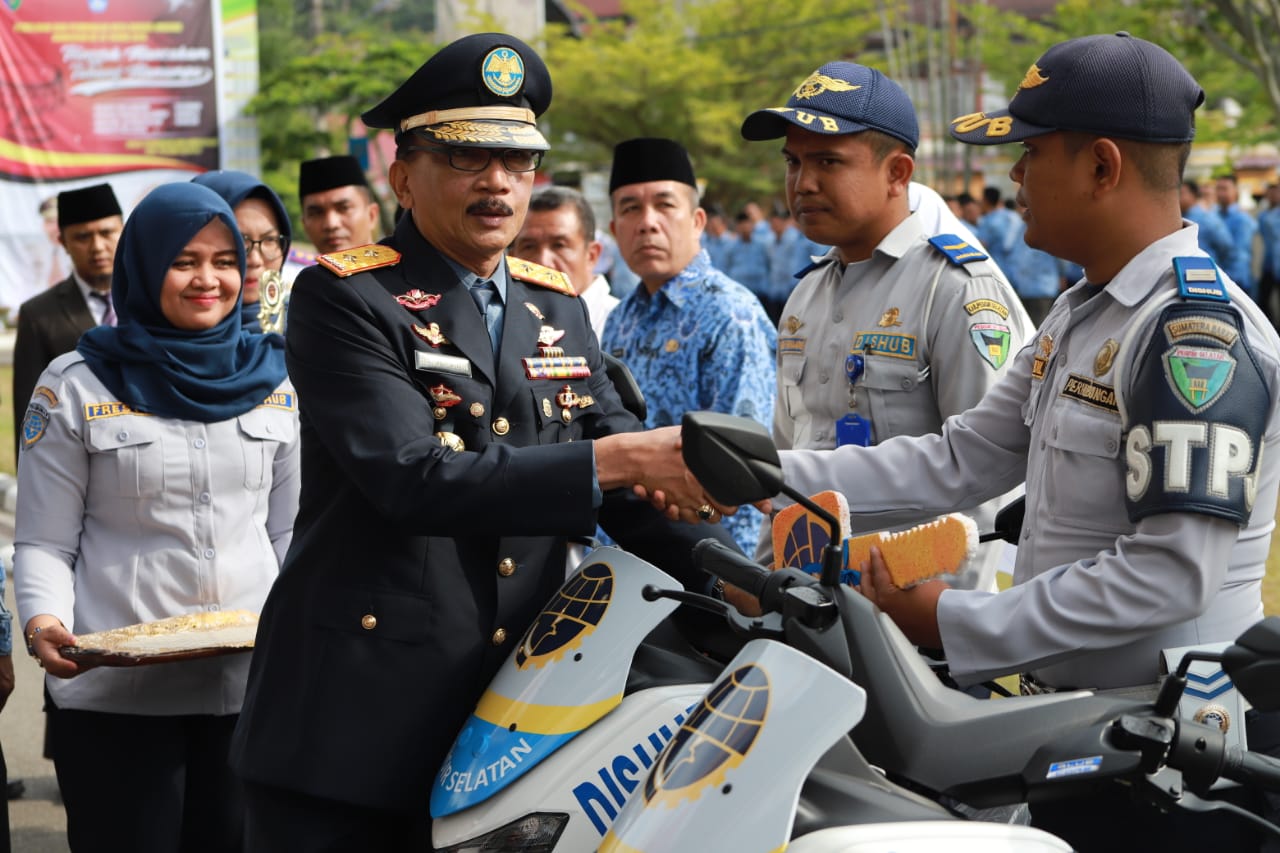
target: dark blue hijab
151 365
235 187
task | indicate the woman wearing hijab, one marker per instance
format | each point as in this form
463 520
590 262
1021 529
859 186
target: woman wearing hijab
159 477
264 224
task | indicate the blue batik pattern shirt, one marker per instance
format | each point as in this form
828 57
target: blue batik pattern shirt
702 342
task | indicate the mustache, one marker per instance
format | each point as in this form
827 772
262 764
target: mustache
491 206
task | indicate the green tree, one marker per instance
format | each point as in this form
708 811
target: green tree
692 72
309 104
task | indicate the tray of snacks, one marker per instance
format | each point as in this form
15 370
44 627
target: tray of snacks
185 637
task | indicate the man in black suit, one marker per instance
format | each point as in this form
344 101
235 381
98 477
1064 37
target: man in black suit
457 427
89 221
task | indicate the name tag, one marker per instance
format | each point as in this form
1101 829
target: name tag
438 363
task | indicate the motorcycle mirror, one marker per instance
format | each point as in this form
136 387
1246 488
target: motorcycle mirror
1253 663
625 384
734 458
1008 523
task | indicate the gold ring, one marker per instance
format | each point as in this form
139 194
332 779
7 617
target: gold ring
705 512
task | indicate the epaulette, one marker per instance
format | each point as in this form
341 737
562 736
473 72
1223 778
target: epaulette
360 259
1198 279
956 249
542 276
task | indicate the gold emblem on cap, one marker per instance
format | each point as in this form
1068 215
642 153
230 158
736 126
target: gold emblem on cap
671 345
815 84
892 317
1034 77
1214 715
792 324
1105 357
502 71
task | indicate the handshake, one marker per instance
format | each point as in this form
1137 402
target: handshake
652 464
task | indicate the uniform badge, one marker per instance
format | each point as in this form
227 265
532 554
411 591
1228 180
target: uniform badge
533 309
892 317
1200 327
272 290
430 333
502 71
1214 715
560 367
1106 356
1041 361
986 305
815 84
547 336
791 346
1198 376
671 345
417 300
360 259
45 393
546 407
992 341
443 395
567 398
477 410
1090 393
451 441
435 362
34 424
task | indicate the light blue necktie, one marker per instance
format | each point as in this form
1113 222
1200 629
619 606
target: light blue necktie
485 294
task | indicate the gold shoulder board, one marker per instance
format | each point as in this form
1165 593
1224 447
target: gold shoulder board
360 259
540 275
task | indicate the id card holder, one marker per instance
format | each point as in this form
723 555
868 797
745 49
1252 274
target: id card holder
853 429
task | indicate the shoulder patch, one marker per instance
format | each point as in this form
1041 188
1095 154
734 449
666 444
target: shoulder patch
360 259
528 271
46 394
986 305
957 250
1198 279
34 424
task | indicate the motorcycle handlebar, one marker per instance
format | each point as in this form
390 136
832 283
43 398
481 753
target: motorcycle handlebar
1252 768
731 566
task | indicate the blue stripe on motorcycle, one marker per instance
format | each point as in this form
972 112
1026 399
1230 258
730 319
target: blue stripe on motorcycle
485 759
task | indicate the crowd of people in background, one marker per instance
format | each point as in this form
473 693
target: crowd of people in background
149 404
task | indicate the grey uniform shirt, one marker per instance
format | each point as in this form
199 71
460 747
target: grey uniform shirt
1096 597
936 336
124 518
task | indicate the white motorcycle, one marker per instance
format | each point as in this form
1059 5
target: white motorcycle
577 720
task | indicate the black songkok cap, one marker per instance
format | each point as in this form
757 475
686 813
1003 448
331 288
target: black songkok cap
86 205
638 161
481 91
327 173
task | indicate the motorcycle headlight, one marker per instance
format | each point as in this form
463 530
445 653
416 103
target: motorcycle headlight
533 833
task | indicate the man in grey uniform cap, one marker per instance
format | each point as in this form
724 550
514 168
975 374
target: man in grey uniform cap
893 330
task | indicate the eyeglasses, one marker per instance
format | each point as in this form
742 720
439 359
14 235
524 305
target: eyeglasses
478 159
270 248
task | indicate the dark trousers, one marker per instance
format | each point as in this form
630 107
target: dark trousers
4 811
278 820
1113 821
148 784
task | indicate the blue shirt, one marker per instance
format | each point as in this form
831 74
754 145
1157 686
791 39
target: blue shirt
702 342
1000 231
1241 227
719 248
1213 236
1034 274
748 263
789 253
1269 228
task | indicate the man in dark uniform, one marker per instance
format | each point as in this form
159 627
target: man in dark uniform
50 324
457 426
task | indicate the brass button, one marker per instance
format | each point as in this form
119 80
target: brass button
501 426
566 415
506 567
439 412
368 621
477 410
499 637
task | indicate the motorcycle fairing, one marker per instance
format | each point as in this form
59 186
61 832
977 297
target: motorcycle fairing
746 749
568 670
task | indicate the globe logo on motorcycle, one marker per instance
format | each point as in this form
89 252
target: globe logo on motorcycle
569 617
715 739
